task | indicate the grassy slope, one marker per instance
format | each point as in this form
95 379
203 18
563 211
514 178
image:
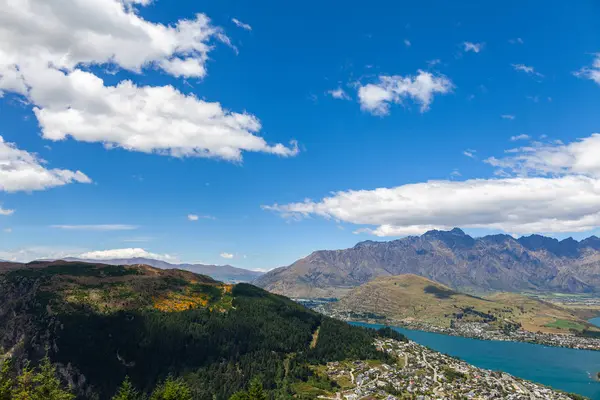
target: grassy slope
411 297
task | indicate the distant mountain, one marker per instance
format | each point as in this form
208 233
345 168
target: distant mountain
453 258
224 273
412 298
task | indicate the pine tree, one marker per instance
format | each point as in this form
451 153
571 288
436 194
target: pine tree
6 380
41 385
256 391
172 389
127 391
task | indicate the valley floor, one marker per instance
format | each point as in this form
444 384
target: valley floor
421 373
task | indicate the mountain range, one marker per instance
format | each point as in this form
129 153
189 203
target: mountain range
224 273
453 258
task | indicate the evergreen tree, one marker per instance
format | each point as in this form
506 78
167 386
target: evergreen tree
254 392
127 391
172 389
6 380
40 385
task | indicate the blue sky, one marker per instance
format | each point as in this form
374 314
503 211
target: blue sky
431 91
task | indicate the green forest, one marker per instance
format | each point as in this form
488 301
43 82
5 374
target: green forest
240 342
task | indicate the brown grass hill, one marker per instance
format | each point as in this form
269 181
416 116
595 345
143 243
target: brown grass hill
412 298
453 258
100 323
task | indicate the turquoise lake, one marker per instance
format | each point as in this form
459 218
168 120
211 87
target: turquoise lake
565 369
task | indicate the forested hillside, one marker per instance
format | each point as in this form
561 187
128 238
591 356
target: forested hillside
100 324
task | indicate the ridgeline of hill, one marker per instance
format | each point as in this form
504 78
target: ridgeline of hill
412 298
476 265
224 273
100 323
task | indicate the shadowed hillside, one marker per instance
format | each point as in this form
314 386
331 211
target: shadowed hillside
100 323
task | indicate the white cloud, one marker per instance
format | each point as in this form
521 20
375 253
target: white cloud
148 119
593 72
470 153
433 63
7 230
516 41
44 44
4 211
407 43
27 254
125 253
240 24
102 227
519 137
421 88
68 33
338 93
519 205
546 188
227 255
195 217
552 159
527 69
508 116
23 171
474 47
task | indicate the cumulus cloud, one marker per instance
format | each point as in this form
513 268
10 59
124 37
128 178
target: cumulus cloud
593 72
474 47
527 69
516 205
192 217
240 24
23 171
421 88
407 43
338 93
45 44
69 33
125 253
545 188
507 116
519 137
102 227
5 211
227 255
552 159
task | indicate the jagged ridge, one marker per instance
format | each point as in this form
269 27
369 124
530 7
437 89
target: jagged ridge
453 258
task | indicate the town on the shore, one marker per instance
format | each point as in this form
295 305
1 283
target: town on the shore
475 330
423 374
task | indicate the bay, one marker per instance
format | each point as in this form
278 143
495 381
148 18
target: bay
565 369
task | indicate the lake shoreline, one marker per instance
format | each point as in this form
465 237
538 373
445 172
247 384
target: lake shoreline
477 331
566 369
